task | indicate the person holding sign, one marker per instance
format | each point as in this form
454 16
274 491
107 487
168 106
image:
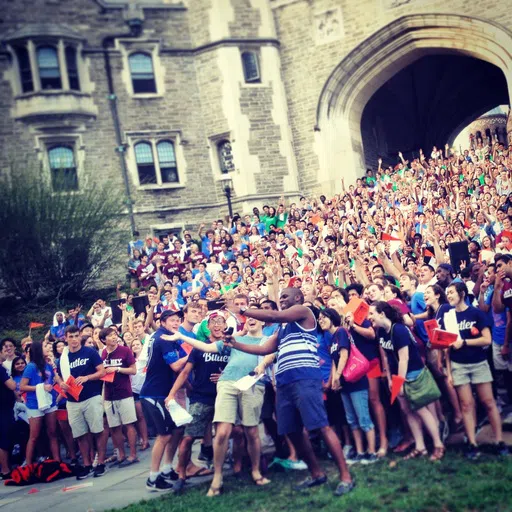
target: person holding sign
119 405
467 365
82 368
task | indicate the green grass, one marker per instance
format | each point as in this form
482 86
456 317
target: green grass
451 485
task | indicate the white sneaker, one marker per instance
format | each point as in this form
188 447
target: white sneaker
347 450
298 465
508 419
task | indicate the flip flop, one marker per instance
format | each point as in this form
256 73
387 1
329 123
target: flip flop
214 491
261 481
144 447
201 472
127 462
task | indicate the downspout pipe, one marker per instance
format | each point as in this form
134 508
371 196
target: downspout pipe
121 148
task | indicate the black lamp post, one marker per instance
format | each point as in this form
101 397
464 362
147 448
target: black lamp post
227 185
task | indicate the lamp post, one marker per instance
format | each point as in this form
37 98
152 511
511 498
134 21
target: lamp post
227 185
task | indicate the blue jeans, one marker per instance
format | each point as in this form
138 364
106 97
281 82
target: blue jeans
357 410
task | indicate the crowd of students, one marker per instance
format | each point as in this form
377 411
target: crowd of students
266 295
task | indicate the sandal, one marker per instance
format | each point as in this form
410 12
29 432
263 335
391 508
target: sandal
416 454
144 447
382 453
438 453
215 491
261 481
201 472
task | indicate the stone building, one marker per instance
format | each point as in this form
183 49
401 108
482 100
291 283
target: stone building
172 102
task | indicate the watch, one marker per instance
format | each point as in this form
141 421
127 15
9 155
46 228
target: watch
243 309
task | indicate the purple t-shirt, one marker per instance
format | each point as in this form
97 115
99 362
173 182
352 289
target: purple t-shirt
121 357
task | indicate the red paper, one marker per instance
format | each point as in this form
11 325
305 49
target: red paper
59 390
375 371
430 325
109 377
443 339
358 308
35 325
74 388
428 254
396 386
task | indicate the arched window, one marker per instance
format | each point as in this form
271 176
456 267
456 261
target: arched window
167 161
141 71
27 83
251 67
225 153
63 169
49 71
145 163
72 65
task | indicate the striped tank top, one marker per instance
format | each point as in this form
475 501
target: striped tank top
297 355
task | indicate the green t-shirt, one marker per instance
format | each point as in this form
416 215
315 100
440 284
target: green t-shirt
240 363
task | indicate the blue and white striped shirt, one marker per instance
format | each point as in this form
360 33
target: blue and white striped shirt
297 355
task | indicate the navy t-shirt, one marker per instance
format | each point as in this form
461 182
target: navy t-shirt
369 347
82 363
471 323
341 341
205 363
7 397
159 375
399 336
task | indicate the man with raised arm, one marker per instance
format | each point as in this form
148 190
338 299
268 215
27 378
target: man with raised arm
299 384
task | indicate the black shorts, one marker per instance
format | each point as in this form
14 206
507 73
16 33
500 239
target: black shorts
269 402
155 409
335 409
6 428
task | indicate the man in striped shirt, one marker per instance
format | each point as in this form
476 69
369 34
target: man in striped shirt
300 406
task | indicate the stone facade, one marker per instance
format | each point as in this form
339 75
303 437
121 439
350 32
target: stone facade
293 129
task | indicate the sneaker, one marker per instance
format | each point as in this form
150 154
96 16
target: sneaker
444 430
99 470
344 488
298 465
73 462
311 482
171 476
349 452
502 449
84 472
472 452
5 476
357 459
370 458
159 485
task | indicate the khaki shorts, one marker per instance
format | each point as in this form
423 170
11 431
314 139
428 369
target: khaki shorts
231 403
203 416
86 416
120 412
476 373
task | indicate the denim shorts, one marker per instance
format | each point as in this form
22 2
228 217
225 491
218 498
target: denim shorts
300 404
357 410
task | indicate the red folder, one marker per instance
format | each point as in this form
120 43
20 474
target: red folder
109 377
430 326
358 308
443 339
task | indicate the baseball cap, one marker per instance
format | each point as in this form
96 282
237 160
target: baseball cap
168 313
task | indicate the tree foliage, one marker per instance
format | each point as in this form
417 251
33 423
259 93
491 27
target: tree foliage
56 244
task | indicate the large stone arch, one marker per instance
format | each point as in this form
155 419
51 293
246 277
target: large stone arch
365 69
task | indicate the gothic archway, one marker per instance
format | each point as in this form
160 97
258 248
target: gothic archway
366 68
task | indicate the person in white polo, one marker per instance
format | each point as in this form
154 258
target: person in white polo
119 403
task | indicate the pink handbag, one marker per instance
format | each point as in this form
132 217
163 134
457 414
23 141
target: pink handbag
357 365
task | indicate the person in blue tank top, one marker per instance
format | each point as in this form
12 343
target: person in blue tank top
299 384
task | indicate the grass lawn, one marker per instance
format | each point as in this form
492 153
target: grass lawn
451 485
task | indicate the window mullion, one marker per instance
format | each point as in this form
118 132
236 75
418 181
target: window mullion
62 65
157 163
31 48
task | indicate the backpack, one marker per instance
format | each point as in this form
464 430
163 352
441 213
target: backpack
39 472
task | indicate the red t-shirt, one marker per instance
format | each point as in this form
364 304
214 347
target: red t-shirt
120 388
